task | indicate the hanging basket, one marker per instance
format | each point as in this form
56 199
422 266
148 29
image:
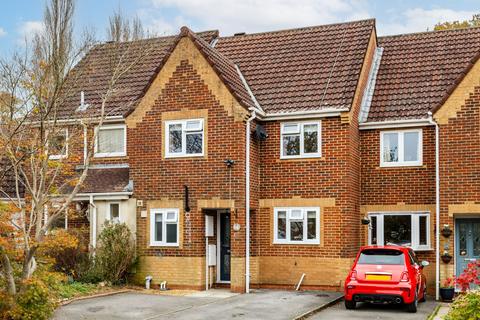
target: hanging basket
446 258
446 232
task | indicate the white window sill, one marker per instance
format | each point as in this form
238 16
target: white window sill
303 156
312 242
109 155
163 244
400 164
57 157
173 156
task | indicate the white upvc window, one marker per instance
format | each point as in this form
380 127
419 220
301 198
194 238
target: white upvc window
114 212
300 140
401 148
58 145
111 141
184 138
409 229
164 227
296 225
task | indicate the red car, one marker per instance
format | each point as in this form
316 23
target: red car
386 274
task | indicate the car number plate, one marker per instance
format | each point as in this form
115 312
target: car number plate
378 277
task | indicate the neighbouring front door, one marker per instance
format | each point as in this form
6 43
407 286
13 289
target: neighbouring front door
225 246
467 242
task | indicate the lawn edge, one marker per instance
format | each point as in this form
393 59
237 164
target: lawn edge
98 295
315 310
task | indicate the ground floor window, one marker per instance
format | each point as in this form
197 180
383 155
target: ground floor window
114 212
410 229
164 227
297 225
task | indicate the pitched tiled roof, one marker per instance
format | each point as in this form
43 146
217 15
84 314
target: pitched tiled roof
224 67
141 61
7 181
419 70
301 69
105 180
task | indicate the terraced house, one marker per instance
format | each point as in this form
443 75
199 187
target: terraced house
251 160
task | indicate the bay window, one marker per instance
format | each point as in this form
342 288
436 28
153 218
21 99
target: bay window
164 227
297 225
184 138
401 148
409 229
300 140
111 141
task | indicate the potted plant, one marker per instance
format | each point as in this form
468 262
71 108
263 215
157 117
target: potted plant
446 231
446 257
447 289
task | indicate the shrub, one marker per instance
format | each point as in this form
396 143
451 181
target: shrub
465 307
115 253
469 276
33 302
6 304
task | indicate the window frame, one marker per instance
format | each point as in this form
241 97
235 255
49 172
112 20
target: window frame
415 228
302 154
183 123
109 211
61 156
287 239
163 243
110 154
401 149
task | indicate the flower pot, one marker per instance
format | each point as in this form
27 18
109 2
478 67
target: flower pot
447 294
446 232
446 258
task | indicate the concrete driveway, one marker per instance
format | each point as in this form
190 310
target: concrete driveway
214 304
375 312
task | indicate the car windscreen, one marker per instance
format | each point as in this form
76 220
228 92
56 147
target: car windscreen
384 256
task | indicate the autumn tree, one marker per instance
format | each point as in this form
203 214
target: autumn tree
474 22
37 188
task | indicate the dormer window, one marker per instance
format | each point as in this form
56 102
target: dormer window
184 138
111 141
300 140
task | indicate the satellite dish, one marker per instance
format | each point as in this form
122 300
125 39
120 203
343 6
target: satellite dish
260 133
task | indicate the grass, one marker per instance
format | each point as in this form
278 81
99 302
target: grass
75 289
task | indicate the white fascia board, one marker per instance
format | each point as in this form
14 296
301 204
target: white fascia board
303 114
108 119
395 124
104 196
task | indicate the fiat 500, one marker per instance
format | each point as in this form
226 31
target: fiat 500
387 274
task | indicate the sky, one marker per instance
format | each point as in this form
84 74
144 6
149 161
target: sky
19 19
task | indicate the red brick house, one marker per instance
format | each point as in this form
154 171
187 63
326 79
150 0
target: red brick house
250 160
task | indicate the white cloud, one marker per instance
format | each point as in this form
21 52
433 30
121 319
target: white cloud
28 29
418 19
2 32
230 16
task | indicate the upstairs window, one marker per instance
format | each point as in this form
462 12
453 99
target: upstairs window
184 138
409 229
300 140
58 145
297 225
164 227
111 141
401 148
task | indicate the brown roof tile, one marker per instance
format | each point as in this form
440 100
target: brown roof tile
141 61
418 71
7 181
106 180
301 69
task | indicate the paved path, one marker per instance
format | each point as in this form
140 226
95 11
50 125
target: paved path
261 304
375 312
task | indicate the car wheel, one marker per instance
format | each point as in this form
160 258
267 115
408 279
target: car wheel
350 305
412 307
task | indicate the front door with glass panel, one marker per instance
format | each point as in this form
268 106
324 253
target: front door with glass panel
467 242
224 246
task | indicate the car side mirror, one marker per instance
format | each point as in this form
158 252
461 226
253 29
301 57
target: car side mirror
424 263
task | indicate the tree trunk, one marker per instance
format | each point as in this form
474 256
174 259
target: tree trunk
29 264
8 271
